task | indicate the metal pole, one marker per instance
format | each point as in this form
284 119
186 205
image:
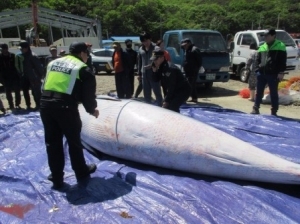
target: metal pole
278 21
19 31
51 33
62 30
99 31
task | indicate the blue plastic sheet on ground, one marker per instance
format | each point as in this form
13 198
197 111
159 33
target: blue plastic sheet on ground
126 192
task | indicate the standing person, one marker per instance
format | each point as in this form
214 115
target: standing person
161 45
31 72
62 53
122 66
145 71
53 55
178 87
192 64
270 66
250 64
68 81
11 79
89 61
133 55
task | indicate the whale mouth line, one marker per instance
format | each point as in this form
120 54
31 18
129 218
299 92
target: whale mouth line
255 132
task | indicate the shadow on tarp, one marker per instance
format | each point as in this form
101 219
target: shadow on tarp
96 189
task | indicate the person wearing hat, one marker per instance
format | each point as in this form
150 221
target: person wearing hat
122 65
192 64
269 69
250 65
133 56
161 45
177 86
62 53
11 79
31 72
145 71
53 55
68 81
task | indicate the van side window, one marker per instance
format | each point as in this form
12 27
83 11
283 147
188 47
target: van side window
174 42
247 39
239 39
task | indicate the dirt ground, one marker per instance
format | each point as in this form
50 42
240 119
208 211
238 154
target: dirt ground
222 94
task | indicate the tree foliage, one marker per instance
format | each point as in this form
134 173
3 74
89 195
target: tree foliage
130 17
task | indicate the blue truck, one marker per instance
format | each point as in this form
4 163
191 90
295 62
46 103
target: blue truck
215 56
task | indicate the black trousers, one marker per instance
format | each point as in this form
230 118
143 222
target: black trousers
13 86
122 82
59 122
272 81
131 81
192 78
179 98
35 84
139 89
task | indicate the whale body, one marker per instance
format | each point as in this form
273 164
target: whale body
148 134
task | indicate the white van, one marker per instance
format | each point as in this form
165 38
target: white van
240 51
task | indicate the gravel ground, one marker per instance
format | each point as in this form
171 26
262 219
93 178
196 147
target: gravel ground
222 94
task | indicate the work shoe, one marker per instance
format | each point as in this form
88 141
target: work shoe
3 110
57 184
273 112
255 110
193 100
18 108
91 168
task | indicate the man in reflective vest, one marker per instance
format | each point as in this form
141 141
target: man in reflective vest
68 81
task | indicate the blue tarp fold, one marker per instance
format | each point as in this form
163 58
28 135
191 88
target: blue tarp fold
126 192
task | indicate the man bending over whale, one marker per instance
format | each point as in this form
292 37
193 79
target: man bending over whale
177 86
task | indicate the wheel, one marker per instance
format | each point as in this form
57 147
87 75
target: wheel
244 74
108 71
208 85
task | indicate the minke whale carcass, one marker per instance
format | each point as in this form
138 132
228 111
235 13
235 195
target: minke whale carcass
152 135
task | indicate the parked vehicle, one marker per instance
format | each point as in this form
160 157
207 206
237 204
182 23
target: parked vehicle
215 58
241 51
101 59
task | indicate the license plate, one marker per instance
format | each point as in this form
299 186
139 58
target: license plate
210 76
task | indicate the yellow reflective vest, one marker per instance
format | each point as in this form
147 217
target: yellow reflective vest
62 74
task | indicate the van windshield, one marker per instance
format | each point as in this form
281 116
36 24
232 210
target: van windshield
280 35
206 41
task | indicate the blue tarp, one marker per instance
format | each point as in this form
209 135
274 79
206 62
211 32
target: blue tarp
126 192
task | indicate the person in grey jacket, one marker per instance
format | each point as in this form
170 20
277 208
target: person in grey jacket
145 69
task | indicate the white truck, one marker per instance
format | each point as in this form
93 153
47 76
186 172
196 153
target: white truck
240 51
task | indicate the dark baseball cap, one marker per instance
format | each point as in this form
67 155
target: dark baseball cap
127 41
4 46
156 53
78 47
24 44
271 32
185 41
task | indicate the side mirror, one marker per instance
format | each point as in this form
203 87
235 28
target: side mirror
231 46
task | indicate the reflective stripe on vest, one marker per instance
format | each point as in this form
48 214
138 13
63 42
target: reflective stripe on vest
62 74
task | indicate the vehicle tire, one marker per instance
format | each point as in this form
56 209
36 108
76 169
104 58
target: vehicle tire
208 85
95 70
108 72
244 74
